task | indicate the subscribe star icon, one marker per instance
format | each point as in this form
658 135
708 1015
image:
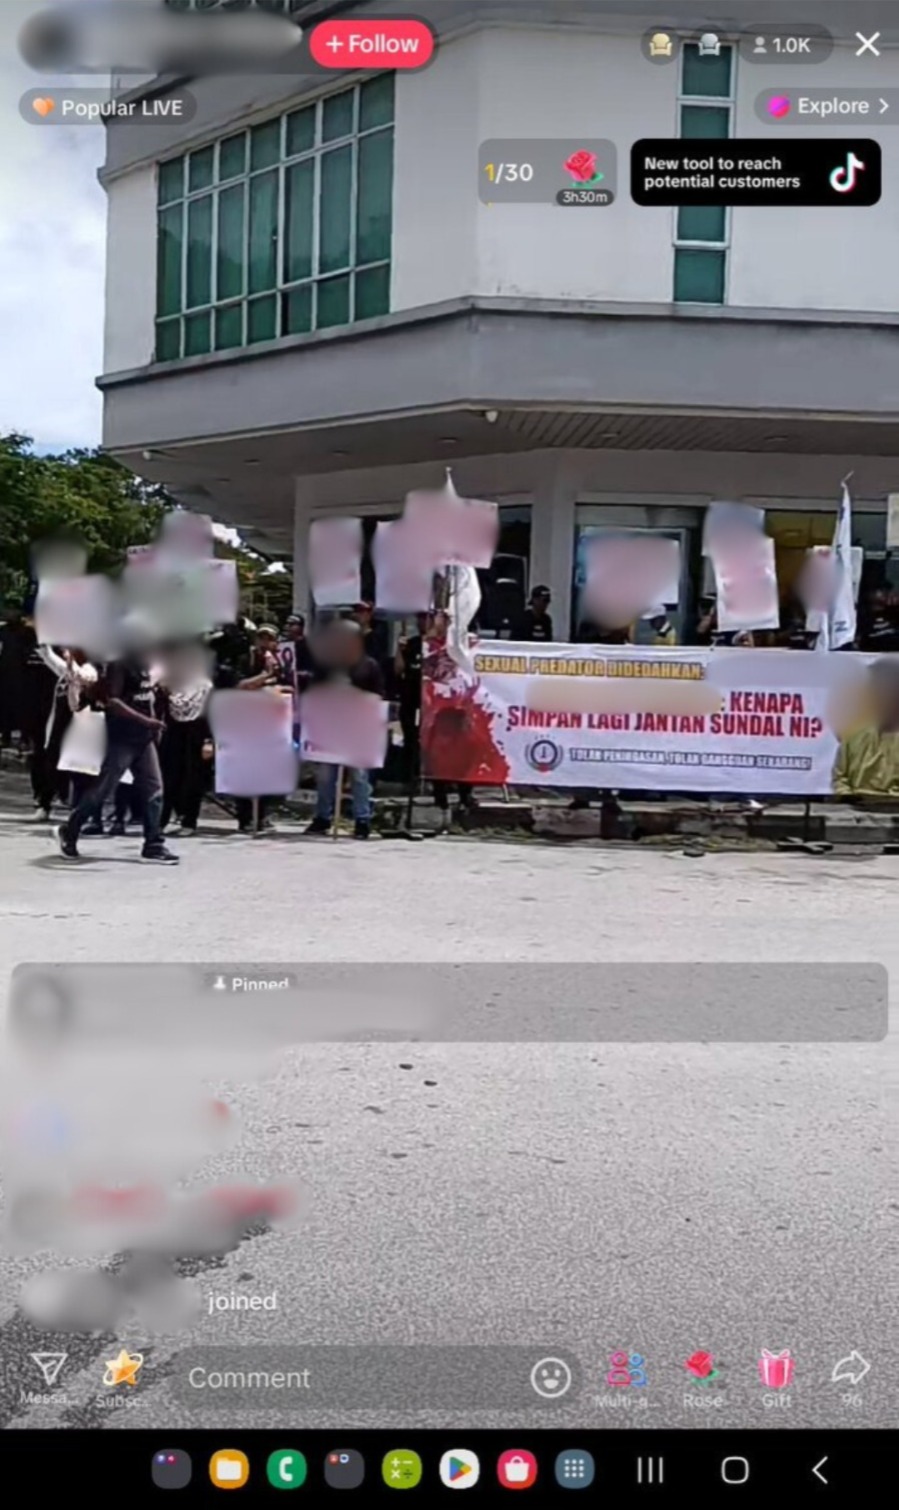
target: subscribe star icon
123 1370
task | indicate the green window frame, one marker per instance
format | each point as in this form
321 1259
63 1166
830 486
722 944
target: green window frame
280 229
702 232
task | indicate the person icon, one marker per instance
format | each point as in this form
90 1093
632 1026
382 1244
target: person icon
761 47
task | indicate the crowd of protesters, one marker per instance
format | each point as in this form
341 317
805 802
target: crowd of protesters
158 764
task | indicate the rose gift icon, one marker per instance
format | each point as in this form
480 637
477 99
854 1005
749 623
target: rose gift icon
581 167
776 1370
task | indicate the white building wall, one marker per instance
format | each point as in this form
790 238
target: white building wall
129 333
838 258
555 84
435 203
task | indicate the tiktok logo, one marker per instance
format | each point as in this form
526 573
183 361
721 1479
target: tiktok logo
844 180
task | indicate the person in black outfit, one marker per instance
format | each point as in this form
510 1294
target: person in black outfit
133 731
14 650
38 716
408 670
535 623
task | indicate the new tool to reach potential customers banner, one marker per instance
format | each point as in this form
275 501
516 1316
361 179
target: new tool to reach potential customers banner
780 722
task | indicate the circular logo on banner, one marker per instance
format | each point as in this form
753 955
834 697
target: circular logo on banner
544 755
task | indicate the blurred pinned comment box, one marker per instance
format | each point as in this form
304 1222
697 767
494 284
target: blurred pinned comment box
221 1014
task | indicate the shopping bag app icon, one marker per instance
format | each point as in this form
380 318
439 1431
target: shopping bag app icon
517 1469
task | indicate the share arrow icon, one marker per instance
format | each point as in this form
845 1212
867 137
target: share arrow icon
852 1370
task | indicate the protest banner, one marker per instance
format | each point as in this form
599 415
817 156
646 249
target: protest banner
344 727
255 755
335 562
718 721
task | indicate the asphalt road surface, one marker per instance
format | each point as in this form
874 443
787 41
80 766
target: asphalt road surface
564 1201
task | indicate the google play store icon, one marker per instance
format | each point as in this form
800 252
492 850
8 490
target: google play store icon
459 1469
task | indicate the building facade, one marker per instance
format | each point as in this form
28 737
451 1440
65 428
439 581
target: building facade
310 310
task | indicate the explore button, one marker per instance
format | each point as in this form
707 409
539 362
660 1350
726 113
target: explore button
816 107
371 44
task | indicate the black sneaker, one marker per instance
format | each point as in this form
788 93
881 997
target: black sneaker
67 846
117 829
93 829
319 826
159 855
362 830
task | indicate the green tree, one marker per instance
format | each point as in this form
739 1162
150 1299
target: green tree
80 494
89 496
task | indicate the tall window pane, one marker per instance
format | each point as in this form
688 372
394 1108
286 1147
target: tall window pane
199 252
199 169
376 102
168 340
171 180
334 210
299 189
263 232
375 197
230 242
265 145
337 116
168 260
698 122
372 292
228 327
301 131
196 334
698 277
233 156
333 302
701 222
709 76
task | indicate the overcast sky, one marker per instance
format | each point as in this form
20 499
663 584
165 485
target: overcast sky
52 232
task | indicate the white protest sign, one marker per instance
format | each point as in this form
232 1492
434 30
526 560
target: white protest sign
746 582
404 569
335 561
459 531
77 613
254 750
629 574
340 725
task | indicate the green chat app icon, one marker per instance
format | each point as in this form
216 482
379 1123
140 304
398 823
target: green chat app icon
402 1469
286 1469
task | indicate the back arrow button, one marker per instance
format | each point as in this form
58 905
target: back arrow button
817 1471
